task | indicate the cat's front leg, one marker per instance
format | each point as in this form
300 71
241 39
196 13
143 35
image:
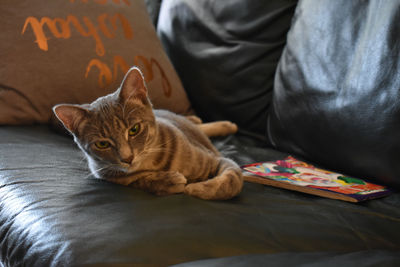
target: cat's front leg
156 182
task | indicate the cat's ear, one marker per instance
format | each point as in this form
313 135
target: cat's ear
133 87
70 115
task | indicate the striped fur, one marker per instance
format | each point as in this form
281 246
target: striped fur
169 153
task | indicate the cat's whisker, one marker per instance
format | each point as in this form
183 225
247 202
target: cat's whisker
160 148
92 135
133 110
123 110
122 107
164 145
83 158
87 176
138 156
125 105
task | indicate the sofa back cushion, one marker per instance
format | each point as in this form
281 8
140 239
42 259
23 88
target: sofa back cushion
337 88
226 53
73 51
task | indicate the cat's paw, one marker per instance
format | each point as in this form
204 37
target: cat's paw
196 190
194 119
227 127
173 183
218 128
122 180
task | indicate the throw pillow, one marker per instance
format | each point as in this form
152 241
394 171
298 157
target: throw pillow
73 51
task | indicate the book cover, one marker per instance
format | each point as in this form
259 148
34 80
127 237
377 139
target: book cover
294 174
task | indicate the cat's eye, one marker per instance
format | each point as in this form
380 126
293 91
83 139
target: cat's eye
134 130
102 144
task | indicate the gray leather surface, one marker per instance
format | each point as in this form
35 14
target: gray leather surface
226 53
53 213
310 259
337 89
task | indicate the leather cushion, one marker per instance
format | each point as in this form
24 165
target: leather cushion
336 97
53 213
226 54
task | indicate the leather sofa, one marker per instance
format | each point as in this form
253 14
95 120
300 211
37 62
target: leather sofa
314 79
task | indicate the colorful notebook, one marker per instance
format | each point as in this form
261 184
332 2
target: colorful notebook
293 174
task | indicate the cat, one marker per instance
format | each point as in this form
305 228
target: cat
128 142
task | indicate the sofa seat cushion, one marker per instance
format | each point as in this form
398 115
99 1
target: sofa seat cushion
53 213
326 259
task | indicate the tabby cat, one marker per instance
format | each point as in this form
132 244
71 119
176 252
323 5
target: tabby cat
127 142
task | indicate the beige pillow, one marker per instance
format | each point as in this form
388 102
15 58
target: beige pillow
73 51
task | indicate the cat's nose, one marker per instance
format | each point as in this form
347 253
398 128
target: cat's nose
127 160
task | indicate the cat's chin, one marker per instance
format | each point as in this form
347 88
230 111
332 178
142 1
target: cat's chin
103 170
104 173
114 174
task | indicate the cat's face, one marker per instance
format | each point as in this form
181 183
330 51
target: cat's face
114 130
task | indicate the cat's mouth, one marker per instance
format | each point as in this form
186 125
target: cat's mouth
127 167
